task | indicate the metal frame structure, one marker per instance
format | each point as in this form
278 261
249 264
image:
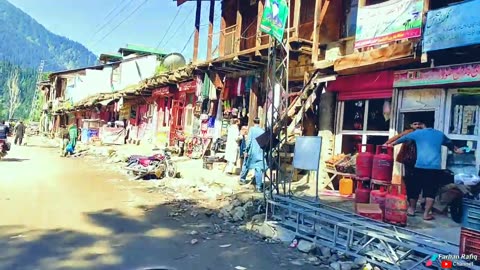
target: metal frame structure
277 100
381 244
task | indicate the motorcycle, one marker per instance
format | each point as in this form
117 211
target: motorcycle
4 148
159 165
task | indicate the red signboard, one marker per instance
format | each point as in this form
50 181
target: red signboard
162 91
189 86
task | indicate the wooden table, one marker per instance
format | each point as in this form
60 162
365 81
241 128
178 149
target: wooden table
335 174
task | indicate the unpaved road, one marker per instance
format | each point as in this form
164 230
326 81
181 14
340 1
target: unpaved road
64 213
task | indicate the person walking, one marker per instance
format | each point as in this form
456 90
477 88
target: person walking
407 156
73 135
254 158
428 166
19 133
231 149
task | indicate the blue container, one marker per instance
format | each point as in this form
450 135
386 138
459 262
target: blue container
471 215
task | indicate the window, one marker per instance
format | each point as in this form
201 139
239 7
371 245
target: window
364 122
462 127
463 163
350 25
465 114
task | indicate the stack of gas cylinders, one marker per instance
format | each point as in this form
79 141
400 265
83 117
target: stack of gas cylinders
374 189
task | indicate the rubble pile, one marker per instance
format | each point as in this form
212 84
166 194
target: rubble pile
308 252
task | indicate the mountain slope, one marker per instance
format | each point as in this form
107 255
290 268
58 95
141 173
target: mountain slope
25 42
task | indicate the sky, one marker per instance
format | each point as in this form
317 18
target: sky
106 25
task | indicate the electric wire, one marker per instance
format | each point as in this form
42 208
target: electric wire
108 22
168 28
125 19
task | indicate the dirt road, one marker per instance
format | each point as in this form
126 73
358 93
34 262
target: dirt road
64 213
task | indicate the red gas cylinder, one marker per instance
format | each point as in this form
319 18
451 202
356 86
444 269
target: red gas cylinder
382 167
362 195
364 160
396 208
378 197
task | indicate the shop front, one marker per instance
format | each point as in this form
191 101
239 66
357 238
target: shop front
364 110
449 99
163 97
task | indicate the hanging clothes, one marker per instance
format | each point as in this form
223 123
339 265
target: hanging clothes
199 82
240 87
206 86
217 81
249 83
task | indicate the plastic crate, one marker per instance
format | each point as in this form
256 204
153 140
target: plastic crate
471 215
469 242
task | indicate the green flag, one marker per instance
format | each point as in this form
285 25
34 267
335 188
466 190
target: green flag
274 18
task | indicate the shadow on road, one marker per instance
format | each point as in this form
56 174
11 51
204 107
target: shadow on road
177 235
13 159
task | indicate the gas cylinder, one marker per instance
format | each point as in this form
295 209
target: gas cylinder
362 195
346 186
382 167
364 160
378 197
396 208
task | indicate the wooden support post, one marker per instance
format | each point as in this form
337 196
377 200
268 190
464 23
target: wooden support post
210 29
318 6
252 108
238 29
296 17
318 21
196 38
258 40
221 46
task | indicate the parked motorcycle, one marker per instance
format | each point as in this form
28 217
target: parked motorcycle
159 165
4 148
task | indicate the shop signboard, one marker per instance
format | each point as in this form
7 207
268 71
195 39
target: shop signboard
389 21
454 26
162 91
112 135
438 76
189 86
274 18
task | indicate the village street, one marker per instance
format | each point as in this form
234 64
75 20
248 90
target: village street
66 213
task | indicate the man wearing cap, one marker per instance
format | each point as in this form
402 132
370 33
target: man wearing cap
428 166
254 158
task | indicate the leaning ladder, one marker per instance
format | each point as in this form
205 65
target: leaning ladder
381 244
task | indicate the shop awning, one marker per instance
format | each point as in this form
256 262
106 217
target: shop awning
106 102
374 85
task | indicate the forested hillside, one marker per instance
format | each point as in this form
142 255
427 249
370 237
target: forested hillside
18 85
23 44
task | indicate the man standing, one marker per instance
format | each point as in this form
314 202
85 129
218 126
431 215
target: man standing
19 133
408 157
429 164
254 158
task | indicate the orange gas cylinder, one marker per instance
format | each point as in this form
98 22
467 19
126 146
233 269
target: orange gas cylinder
396 208
378 197
346 186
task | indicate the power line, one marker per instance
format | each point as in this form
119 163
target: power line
168 29
188 41
180 25
111 12
126 18
111 19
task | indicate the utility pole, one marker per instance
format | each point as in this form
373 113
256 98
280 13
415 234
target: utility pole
35 102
